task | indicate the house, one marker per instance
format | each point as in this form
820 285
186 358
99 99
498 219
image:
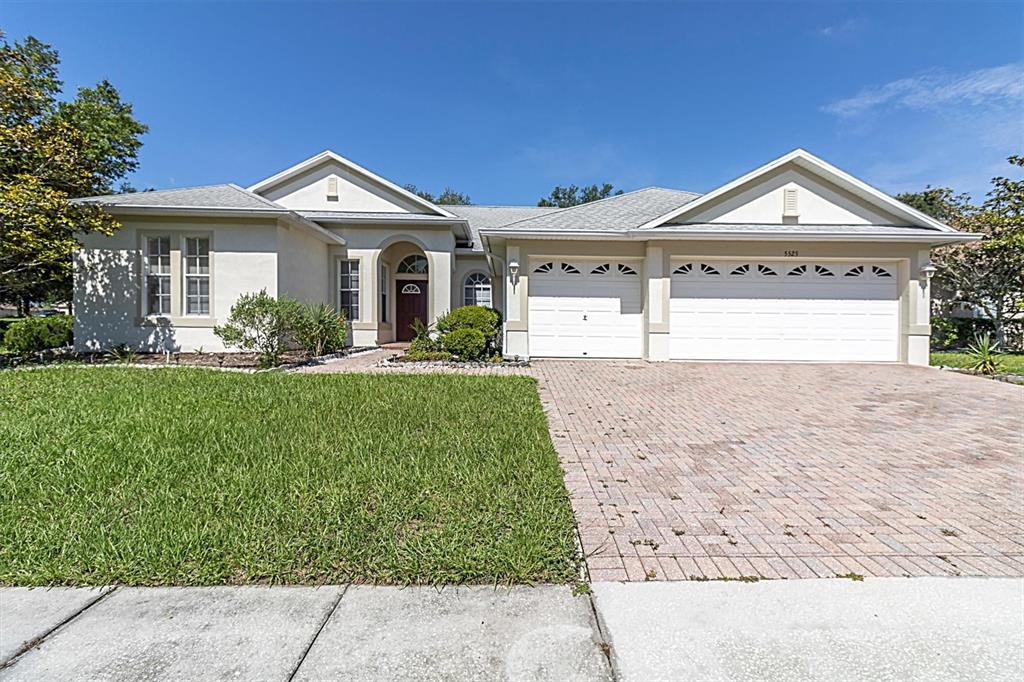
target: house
796 260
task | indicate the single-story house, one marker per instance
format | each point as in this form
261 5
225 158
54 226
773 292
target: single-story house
796 260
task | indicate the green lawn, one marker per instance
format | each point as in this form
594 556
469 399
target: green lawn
195 477
1012 363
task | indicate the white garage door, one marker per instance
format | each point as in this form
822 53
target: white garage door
765 310
581 309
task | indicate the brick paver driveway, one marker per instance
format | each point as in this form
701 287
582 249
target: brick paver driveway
788 470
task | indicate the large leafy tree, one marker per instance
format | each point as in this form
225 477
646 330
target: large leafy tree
51 152
564 197
987 274
449 197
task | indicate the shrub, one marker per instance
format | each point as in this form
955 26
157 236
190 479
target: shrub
485 320
262 324
956 332
35 334
426 356
466 343
424 344
984 355
319 329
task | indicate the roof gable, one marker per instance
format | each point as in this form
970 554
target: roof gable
826 196
329 182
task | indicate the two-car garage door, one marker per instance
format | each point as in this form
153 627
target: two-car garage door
784 310
719 310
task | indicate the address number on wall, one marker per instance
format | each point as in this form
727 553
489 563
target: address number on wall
790 254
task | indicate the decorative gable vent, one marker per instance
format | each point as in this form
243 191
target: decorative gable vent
332 188
789 203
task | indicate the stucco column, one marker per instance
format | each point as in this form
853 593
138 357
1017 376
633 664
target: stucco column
918 311
656 303
439 287
516 309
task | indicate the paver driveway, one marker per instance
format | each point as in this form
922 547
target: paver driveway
788 470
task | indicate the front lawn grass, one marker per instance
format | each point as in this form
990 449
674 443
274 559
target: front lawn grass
1009 363
196 477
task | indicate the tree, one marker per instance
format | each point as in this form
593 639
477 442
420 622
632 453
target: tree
564 197
52 152
449 197
987 274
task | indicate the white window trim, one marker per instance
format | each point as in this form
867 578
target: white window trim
185 275
466 288
356 302
146 274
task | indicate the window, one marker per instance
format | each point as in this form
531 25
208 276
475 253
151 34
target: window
543 267
855 272
385 281
348 288
741 270
197 275
822 271
410 289
413 265
706 269
880 272
570 269
477 290
158 275
684 269
765 270
798 271
626 270
601 269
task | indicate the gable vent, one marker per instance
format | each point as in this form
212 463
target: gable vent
332 188
789 203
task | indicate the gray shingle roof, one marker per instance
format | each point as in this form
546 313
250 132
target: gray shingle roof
490 217
374 215
759 228
226 196
615 214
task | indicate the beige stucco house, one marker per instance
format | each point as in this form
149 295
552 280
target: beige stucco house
795 261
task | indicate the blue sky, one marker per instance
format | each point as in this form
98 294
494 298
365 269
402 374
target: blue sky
505 100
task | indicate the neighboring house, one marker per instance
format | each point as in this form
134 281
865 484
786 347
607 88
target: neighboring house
796 260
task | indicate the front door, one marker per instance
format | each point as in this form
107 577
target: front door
410 306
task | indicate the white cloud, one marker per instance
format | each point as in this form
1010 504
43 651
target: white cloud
999 85
848 26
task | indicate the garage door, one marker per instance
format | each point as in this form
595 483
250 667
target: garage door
771 310
581 309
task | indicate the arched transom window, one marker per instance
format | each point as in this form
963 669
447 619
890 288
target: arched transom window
477 289
413 265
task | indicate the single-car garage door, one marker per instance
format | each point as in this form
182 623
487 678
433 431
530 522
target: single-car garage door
784 310
585 309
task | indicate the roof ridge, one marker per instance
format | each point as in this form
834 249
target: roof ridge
556 209
250 193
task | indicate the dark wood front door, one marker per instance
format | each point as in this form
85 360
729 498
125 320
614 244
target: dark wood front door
411 305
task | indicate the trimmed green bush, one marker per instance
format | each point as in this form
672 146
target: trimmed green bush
34 334
465 343
957 332
485 320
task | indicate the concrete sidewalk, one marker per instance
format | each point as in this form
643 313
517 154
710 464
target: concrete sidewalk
905 629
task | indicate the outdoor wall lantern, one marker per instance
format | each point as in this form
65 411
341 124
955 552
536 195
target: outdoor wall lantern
513 270
928 270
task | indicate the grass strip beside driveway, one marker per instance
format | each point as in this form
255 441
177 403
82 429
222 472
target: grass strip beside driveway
1011 363
194 477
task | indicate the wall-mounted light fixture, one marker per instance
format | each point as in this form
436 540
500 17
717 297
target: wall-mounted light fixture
513 270
928 270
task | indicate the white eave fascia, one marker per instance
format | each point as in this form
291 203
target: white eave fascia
328 155
939 237
214 212
810 162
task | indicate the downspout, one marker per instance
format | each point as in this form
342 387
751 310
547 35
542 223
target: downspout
491 257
